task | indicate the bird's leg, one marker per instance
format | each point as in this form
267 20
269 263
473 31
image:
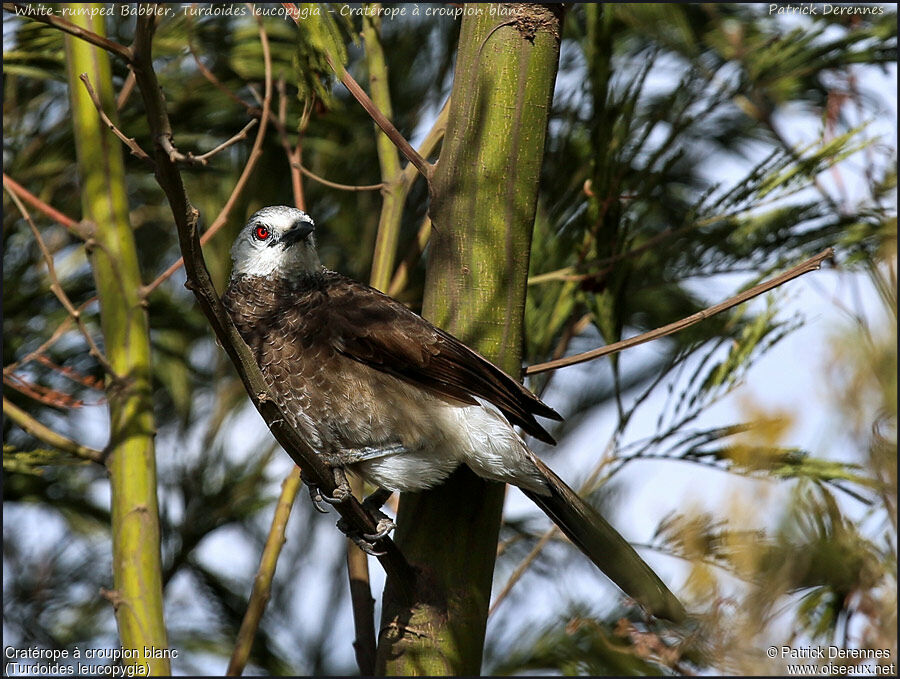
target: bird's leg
342 487
373 504
383 527
375 500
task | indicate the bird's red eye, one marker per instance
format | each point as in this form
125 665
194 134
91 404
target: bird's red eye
262 233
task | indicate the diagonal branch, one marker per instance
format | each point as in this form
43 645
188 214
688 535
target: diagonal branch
130 142
203 158
812 264
74 227
61 330
262 584
43 433
200 282
425 168
422 165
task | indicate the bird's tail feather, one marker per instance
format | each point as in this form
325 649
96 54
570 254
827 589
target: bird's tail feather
603 545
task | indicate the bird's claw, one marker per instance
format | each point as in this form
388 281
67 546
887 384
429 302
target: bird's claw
316 498
366 541
382 529
341 493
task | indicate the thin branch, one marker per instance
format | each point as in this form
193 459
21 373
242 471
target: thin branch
293 154
76 228
335 185
203 159
57 289
130 142
401 275
423 166
125 92
812 264
431 141
70 373
428 146
522 567
362 604
46 395
262 584
51 19
46 435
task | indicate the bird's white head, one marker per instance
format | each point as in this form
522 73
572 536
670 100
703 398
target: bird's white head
277 241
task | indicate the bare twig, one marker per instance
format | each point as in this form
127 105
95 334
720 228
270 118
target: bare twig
293 154
811 264
43 433
522 567
422 165
262 584
336 185
57 289
401 275
70 373
37 392
425 168
125 92
74 227
431 141
130 142
52 19
204 158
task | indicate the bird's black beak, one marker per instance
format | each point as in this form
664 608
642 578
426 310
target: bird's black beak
297 233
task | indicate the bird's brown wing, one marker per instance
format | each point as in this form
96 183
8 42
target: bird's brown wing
374 329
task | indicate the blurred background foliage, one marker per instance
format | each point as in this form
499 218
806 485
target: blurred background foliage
673 176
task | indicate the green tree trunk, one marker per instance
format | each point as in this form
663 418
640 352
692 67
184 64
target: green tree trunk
137 595
483 205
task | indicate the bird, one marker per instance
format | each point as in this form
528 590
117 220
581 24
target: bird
382 393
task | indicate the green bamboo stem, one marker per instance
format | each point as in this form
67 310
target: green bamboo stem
131 460
395 188
484 197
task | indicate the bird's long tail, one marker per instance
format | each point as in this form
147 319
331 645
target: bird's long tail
603 545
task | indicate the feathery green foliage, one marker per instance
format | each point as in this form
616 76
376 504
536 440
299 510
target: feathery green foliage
692 150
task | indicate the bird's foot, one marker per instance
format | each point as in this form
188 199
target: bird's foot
366 541
341 491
